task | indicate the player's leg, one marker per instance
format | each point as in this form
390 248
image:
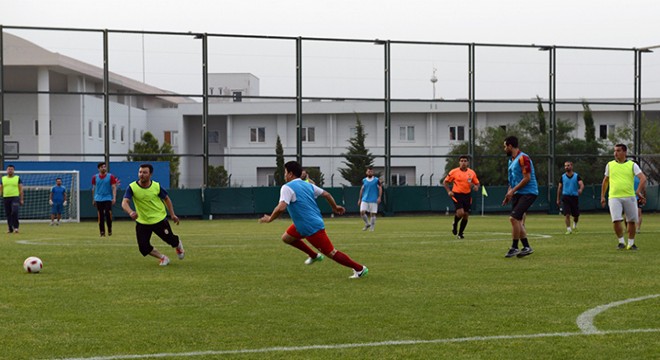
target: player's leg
7 203
466 207
321 241
616 214
15 207
100 216
292 237
364 208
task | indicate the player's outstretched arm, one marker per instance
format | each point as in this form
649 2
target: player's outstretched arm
333 204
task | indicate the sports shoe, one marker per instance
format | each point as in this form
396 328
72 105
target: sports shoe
359 274
372 228
366 227
15 231
102 235
180 253
568 232
512 252
164 261
109 233
576 231
453 230
52 224
621 246
310 261
631 247
525 251
460 236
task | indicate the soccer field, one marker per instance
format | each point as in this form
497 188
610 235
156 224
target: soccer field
241 293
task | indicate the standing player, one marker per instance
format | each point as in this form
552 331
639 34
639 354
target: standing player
11 190
370 194
150 215
57 201
104 195
619 178
568 192
522 192
464 181
299 199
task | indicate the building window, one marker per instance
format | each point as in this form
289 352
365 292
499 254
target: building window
406 133
308 134
398 179
457 133
121 134
100 130
134 135
257 135
141 134
36 128
270 180
171 137
114 133
605 131
503 127
6 128
89 128
238 96
214 137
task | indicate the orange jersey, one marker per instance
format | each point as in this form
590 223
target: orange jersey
463 180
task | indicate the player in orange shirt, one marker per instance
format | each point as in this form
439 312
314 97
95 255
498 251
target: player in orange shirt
464 181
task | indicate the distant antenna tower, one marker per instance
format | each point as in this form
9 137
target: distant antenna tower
434 79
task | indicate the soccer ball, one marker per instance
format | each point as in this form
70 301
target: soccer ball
33 264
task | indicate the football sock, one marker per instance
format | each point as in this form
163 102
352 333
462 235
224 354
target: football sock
365 219
631 242
456 218
373 220
463 225
345 260
514 244
524 241
302 246
622 241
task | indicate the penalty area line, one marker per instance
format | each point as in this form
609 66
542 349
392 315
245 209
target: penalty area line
357 345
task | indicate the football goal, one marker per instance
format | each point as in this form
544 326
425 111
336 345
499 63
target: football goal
36 190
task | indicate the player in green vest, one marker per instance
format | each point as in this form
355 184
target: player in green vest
619 177
11 190
151 202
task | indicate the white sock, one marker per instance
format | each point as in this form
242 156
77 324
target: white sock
622 241
568 229
373 220
631 242
365 219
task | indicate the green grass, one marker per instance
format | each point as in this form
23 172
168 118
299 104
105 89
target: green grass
240 289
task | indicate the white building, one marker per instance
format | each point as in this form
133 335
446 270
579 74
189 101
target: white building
69 120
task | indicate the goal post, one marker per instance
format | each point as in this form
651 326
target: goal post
36 191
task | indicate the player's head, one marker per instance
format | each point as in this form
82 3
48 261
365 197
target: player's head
568 166
10 169
463 161
370 172
510 143
102 166
58 181
620 152
303 175
293 170
145 171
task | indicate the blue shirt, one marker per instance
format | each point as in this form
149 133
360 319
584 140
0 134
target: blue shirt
370 190
103 187
58 192
570 185
522 164
301 197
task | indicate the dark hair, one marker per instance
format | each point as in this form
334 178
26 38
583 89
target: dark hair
464 157
60 179
148 166
294 168
10 166
622 146
511 140
100 164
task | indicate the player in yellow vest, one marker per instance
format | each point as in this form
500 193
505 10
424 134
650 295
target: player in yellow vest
150 215
11 190
620 176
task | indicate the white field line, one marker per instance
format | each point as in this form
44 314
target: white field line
586 320
357 345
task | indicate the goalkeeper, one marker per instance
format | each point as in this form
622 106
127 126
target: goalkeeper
57 201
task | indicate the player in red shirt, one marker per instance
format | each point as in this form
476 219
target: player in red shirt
464 181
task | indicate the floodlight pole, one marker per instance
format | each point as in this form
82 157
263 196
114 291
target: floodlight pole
472 119
106 100
299 116
637 99
388 114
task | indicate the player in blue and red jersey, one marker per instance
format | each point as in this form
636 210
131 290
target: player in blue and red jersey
299 199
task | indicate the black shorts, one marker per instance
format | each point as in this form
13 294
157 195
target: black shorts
462 201
104 205
571 205
162 229
521 203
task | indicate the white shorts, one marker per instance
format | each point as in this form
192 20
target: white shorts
627 205
369 207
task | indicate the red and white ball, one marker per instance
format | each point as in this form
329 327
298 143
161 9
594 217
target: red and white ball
33 264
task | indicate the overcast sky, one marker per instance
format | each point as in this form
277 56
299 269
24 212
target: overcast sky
606 23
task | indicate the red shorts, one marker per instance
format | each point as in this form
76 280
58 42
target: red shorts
319 239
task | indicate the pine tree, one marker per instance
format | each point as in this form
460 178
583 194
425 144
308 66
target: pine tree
279 163
358 158
146 150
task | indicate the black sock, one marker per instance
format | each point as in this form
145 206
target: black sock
514 244
463 225
524 241
456 218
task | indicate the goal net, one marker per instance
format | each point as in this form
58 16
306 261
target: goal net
36 190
